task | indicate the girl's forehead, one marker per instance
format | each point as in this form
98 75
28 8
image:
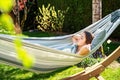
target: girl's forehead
80 34
83 34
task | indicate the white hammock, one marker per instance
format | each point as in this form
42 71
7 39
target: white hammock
47 58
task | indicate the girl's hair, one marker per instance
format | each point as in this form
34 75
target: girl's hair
89 37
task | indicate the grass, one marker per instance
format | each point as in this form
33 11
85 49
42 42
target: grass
110 74
13 73
113 74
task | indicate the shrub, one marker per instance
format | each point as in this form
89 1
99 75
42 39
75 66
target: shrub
89 61
49 19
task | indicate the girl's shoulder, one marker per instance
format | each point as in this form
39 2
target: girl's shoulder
88 46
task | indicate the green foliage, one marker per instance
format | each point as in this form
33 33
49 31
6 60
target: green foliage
4 30
111 74
12 73
109 48
49 19
78 16
87 62
6 5
6 24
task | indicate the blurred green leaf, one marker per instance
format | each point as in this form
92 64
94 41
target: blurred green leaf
6 5
7 22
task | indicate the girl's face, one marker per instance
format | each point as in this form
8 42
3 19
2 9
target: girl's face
81 40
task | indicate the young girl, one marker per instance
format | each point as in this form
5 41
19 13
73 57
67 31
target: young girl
81 43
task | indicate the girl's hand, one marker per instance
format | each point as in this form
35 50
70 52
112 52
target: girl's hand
75 38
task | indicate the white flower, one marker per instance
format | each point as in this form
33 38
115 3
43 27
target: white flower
109 41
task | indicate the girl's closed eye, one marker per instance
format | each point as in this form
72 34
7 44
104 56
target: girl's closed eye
81 37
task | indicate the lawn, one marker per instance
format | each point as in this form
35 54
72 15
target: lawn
13 73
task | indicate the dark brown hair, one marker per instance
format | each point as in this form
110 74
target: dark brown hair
89 37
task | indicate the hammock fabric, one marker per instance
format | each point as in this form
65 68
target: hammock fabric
45 49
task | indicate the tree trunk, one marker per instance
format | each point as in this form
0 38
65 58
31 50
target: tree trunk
96 10
97 15
16 23
16 18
